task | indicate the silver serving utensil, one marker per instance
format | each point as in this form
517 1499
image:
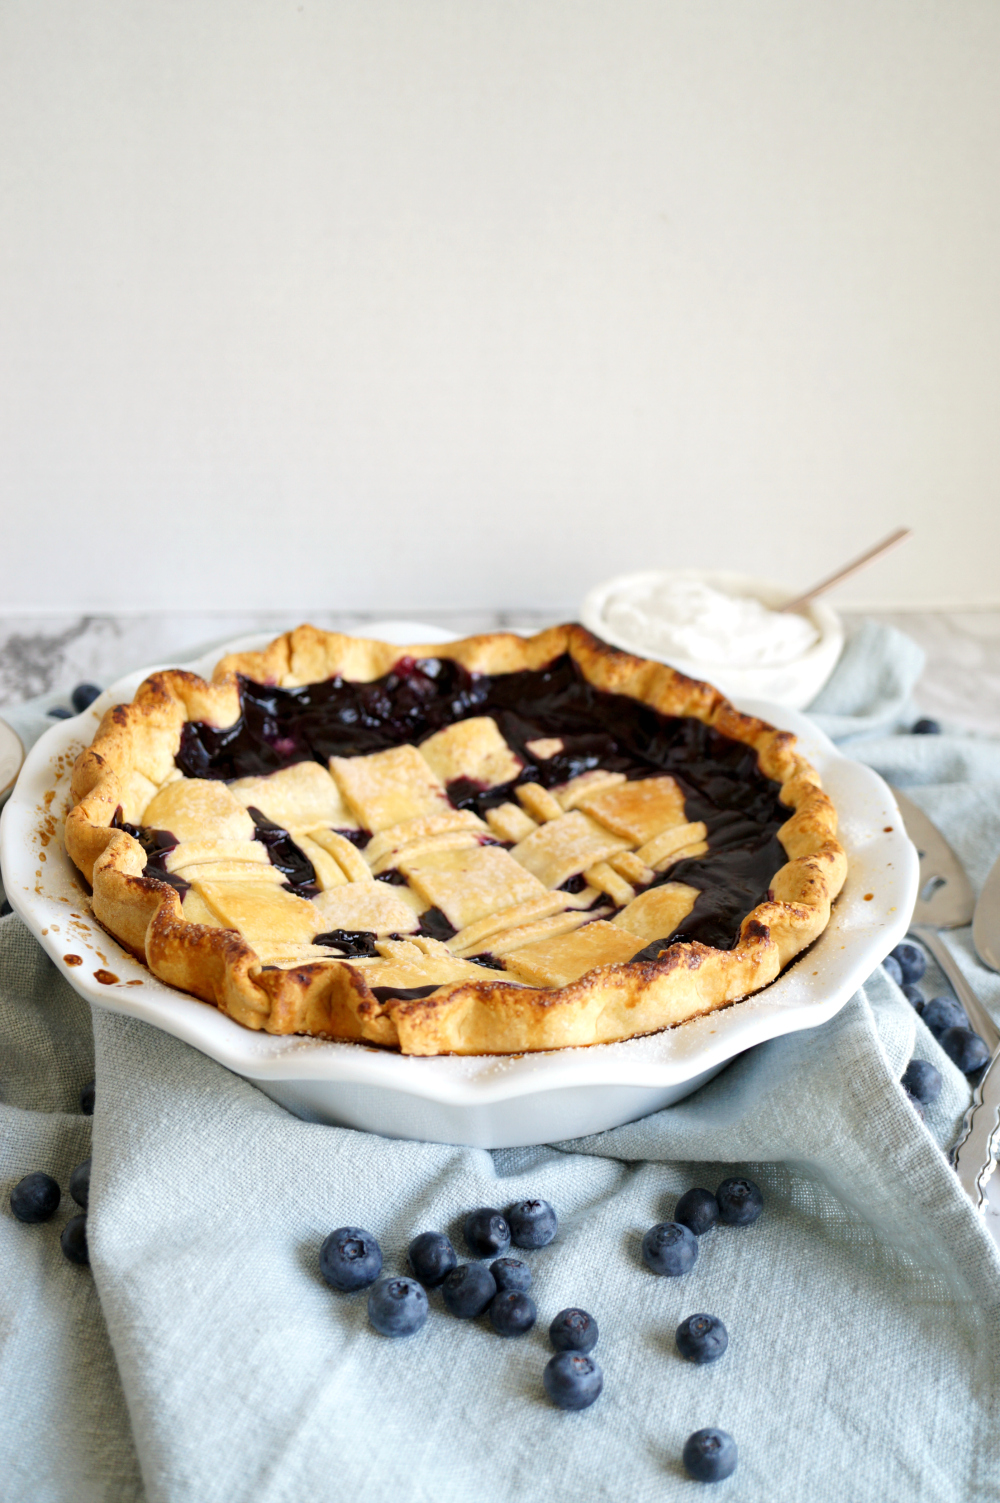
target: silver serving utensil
986 921
945 901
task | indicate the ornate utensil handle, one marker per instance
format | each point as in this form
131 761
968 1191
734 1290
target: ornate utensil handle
975 1154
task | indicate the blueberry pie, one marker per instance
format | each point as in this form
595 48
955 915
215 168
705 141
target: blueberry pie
500 845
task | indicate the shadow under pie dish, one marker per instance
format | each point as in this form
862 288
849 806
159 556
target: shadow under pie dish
497 845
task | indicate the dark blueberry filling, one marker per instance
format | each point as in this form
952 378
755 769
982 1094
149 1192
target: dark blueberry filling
722 783
434 925
294 865
157 844
404 993
351 941
393 876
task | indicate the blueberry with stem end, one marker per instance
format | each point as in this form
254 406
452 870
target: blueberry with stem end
942 1013
572 1381
740 1202
83 697
468 1290
573 1330
893 969
710 1455
397 1307
487 1234
532 1223
350 1259
921 1080
512 1313
670 1249
698 1210
87 1099
79 1183
965 1049
511 1273
35 1198
702 1338
73 1240
911 960
432 1257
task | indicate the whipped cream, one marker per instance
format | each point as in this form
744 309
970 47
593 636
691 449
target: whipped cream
688 619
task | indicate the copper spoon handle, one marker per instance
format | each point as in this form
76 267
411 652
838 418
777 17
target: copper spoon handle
898 536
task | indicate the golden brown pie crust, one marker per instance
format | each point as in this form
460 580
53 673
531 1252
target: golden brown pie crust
133 753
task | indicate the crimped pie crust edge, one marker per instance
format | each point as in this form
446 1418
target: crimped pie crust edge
331 998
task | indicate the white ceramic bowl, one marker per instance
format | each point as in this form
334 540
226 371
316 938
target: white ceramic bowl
794 684
492 1101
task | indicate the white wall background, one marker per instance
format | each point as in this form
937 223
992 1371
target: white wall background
356 303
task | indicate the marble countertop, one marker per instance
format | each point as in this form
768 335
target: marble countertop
45 654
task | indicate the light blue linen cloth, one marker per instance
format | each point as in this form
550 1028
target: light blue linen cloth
204 1359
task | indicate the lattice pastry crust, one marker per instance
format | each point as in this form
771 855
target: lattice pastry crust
239 939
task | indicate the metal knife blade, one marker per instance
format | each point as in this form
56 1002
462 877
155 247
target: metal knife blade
986 923
944 898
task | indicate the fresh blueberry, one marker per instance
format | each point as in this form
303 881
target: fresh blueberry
740 1202
573 1330
83 697
79 1183
397 1307
59 712
913 995
918 1106
670 1249
35 1197
710 1455
965 1048
468 1289
511 1273
5 908
702 1338
350 1259
512 1313
533 1223
926 727
572 1381
698 1210
431 1256
74 1239
922 1081
87 1099
942 1013
893 969
486 1233
911 960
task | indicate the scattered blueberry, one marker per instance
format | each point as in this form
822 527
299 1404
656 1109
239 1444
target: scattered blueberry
35 1197
87 1099
670 1249
965 1048
59 712
83 697
710 1455
533 1223
572 1381
913 995
350 1259
922 1081
79 1183
5 908
942 1013
468 1289
702 1338
512 1313
573 1331
926 727
740 1202
918 1106
893 969
397 1307
431 1256
74 1239
911 960
511 1273
698 1210
486 1233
